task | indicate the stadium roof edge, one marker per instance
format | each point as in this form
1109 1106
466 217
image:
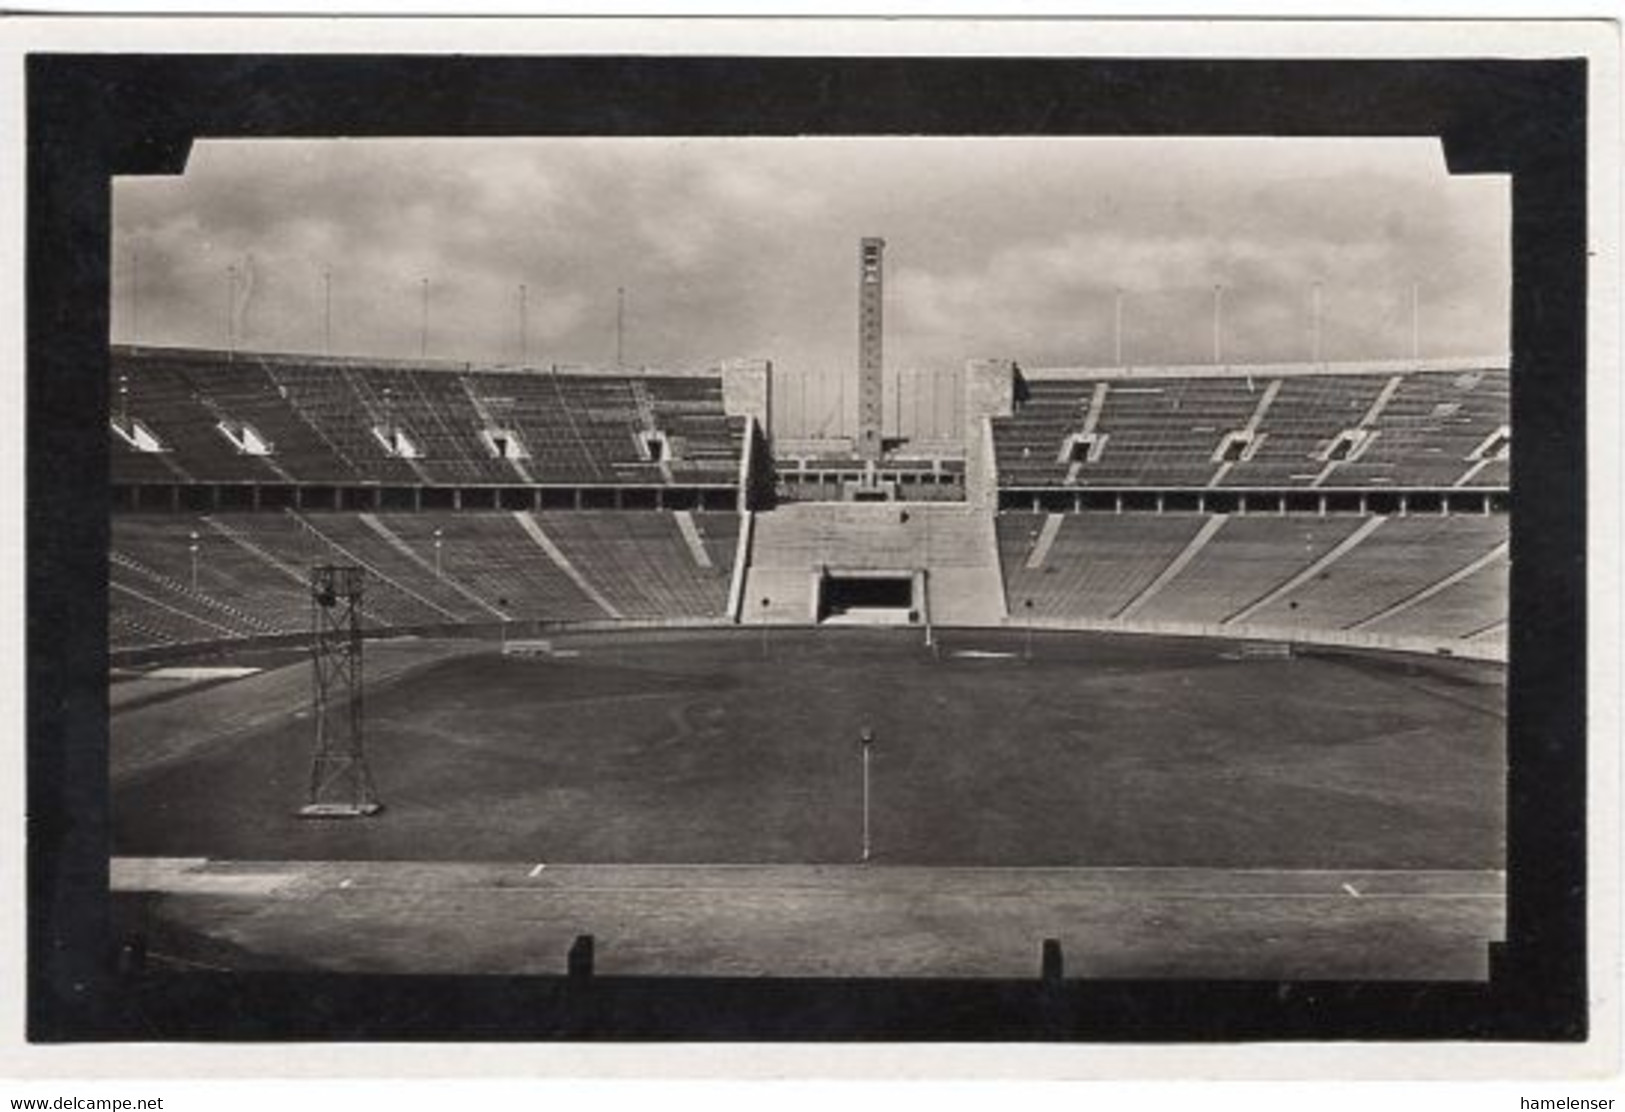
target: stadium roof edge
312 359
1268 370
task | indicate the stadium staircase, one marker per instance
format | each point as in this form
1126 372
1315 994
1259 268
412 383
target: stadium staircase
954 545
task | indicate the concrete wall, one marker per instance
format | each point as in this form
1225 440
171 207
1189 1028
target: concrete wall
747 389
918 404
990 391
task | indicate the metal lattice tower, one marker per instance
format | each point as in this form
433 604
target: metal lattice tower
340 782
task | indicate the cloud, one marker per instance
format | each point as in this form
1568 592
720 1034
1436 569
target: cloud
730 247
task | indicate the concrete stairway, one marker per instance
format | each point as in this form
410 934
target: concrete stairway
955 545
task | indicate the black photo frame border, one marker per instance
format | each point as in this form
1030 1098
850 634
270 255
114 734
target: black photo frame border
90 117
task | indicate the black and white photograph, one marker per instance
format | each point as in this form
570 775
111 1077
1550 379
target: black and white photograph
615 547
626 546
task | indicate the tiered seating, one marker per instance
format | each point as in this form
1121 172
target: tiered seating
1028 444
436 413
246 394
1097 564
1496 474
707 443
298 543
1163 432
178 409
1460 610
1428 429
137 618
252 569
720 534
493 556
640 563
1307 414
1246 559
127 465
353 540
1160 432
328 399
320 415
235 587
1403 556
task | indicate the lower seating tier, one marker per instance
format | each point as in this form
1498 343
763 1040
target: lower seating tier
190 578
1427 576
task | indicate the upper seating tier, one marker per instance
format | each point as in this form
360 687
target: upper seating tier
1382 430
328 421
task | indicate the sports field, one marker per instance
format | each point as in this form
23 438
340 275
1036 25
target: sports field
1162 807
728 748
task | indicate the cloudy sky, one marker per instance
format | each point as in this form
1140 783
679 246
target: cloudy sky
747 248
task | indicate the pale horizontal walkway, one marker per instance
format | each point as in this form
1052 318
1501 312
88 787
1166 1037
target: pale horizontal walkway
844 920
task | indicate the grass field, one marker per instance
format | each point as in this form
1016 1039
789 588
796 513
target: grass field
728 748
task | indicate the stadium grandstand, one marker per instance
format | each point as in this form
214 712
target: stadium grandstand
1342 503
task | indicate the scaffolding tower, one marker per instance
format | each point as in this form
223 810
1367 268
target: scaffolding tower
340 782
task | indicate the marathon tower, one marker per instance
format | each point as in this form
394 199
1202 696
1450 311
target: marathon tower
870 363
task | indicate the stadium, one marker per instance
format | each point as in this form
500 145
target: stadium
1174 671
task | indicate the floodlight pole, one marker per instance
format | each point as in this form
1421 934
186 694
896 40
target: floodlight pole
135 297
327 310
1117 329
1315 355
1416 322
524 326
231 308
620 327
423 324
865 740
